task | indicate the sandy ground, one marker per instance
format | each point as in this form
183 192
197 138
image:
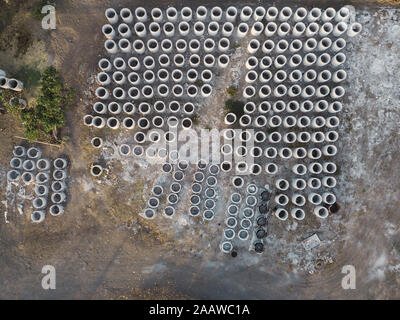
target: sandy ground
101 248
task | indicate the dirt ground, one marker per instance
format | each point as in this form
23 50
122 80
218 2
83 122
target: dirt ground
101 247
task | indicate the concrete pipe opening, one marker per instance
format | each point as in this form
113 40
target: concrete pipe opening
42 178
169 211
281 214
201 13
111 46
272 14
172 14
126 15
314 198
38 216
111 15
39 203
124 31
328 14
149 213
108 31
299 184
56 210
321 212
314 183
141 14
157 15
58 198
299 169
271 152
298 214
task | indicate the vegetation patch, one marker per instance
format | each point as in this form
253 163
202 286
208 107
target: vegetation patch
234 106
36 10
232 91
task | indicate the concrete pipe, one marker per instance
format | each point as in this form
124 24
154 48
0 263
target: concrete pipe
285 153
38 216
328 14
245 120
308 91
113 123
306 106
181 45
152 46
300 14
194 60
129 108
124 30
242 167
216 14
139 137
211 182
227 29
283 29
282 184
298 200
98 122
39 203
238 182
149 77
153 203
251 63
314 183
323 59
209 45
128 123
164 60
186 123
268 46
303 122
184 28
314 153
285 14
13 176
295 46
231 14
43 165
271 168
201 13
299 153
134 63
257 29
246 13
157 15
270 29
335 107
338 44
243 234
179 60
141 14
294 91
15 85
259 13
322 91
58 197
96 142
331 136
309 59
119 93
249 108
329 150
169 29
19 151
280 90
299 184
27 178
16 163
324 76
326 29
321 212
60 163
281 214
105 65
163 90
158 122
299 29
274 137
242 30
339 76
29 165
314 15
292 106
155 29
265 91
299 169
134 78
108 31
272 14
111 46
177 90
42 190
245 223
354 29
186 14
172 14
278 106
149 213
329 182
280 76
148 92
295 61
310 45
317 137
324 44
119 78
143 123
194 46
281 46
223 45
289 122
280 61
111 15
174 107
149 62
314 198
56 210
199 28
265 76
103 79
315 168
281 199
343 14
340 29
337 92
312 29
297 214
138 46
226 247
206 76
166 45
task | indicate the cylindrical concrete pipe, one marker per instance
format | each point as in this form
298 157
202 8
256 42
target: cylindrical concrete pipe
342 14
152 46
138 46
113 123
310 45
259 13
331 136
157 15
58 197
328 198
298 200
281 214
299 184
328 14
119 64
194 45
337 92
38 216
169 29
329 182
297 214
271 168
314 14
340 29
314 153
119 93
326 29
141 14
201 13
339 76
272 14
322 91
13 176
124 30
270 29
186 14
354 29
216 14
42 190
338 45
285 14
39 203
246 13
108 31
199 28
15 85
298 29
295 61
111 46
111 15
172 14
300 14
283 29
299 169
97 142
268 46
314 198
309 59
257 28
281 46
242 30
184 28
166 46
28 178
314 183
315 168
323 59
280 90
56 210
238 182
98 122
324 44
321 212
280 61
312 29
231 14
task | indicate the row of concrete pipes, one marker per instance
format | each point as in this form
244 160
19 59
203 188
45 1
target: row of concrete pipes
231 14
10 83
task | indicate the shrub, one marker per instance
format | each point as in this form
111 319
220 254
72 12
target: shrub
235 106
232 91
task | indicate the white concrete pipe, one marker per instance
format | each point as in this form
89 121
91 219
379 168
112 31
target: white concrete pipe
209 45
297 214
113 123
155 29
299 29
285 14
310 45
279 106
133 63
339 76
192 91
124 30
324 76
280 76
323 59
312 29
317 137
260 137
329 167
103 79
179 60
199 28
111 46
231 14
60 163
56 210
242 30
315 168
259 13
331 136
270 29
39 203
157 15
299 184
274 137
281 214
324 44
314 183
172 14
299 169
43 165
238 182
42 190
268 46
246 13
283 29
138 46
329 150
140 29
216 14
322 91
257 29
281 199
252 62
169 29
298 200
338 45
177 90
177 75
280 90
292 106
184 28
295 61
271 168
166 45
144 108
153 46
96 142
337 92
163 75
141 14
314 15
281 46
265 76
27 178
282 184
58 197
326 29
149 76
340 29
354 29
289 122
119 78
343 14
310 75
38 216
335 107
119 93
303 122
163 90
314 198
194 60
272 14
148 92
15 85
223 61
134 78
306 106
181 46
253 46
111 15
186 14
329 182
194 45
280 61
102 93
328 14
99 122
285 153
13 176
119 64
309 59
201 13
299 153
300 14
321 212
108 31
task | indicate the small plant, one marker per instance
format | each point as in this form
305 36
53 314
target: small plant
234 106
232 91
196 119
36 10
